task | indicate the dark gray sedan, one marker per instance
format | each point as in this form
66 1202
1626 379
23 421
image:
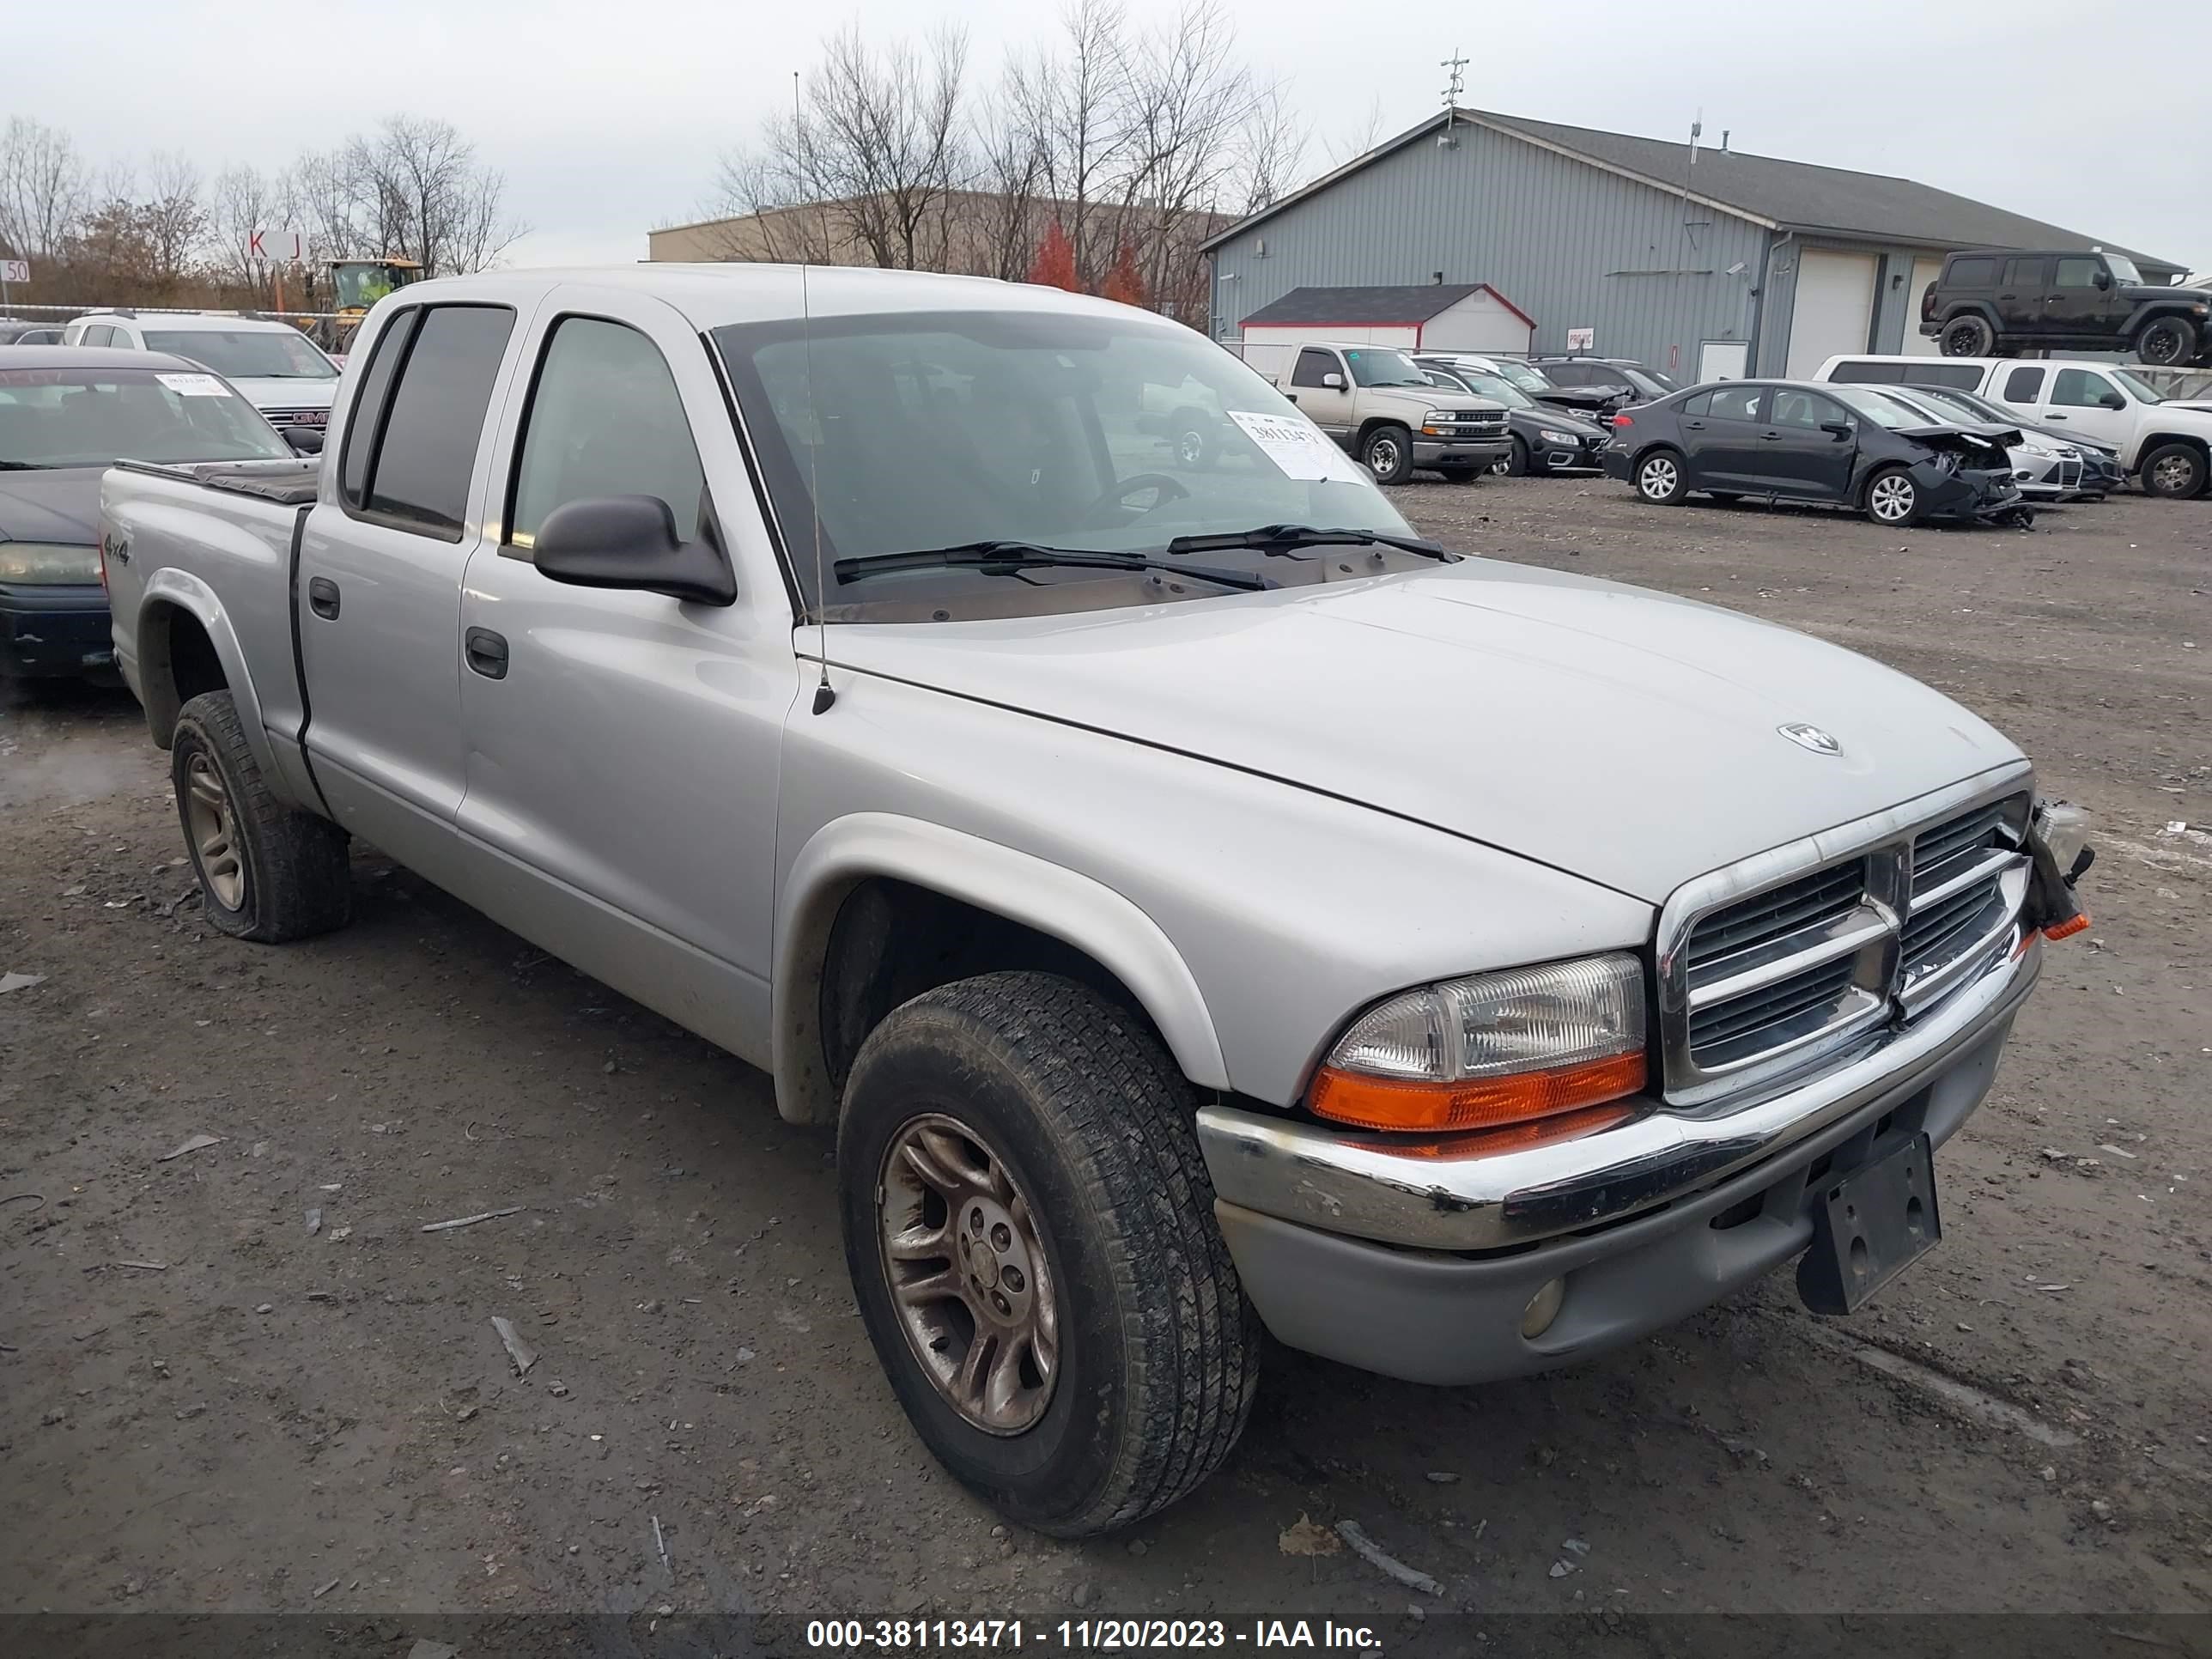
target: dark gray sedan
66 414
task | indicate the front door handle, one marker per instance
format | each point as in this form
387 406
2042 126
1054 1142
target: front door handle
486 652
323 598
1694 426
1769 437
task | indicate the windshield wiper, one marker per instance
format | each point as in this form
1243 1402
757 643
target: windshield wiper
999 558
1282 537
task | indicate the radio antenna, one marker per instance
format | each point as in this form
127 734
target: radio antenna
825 695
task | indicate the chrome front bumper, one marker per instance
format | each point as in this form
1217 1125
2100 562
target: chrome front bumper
1360 1185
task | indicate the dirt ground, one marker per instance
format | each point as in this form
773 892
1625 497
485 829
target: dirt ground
244 1379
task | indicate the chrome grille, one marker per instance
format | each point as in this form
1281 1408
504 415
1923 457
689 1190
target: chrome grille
1768 966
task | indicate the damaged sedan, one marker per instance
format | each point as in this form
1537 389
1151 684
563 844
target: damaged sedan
1846 446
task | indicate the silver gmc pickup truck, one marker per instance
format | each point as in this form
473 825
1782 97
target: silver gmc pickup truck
1196 903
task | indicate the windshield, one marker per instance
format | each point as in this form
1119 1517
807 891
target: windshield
1530 380
1380 366
1495 386
2123 269
55 417
1885 408
245 354
923 430
2141 390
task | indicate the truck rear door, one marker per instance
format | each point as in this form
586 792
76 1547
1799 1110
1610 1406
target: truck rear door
380 578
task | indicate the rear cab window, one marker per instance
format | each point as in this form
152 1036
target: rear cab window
1971 273
2023 385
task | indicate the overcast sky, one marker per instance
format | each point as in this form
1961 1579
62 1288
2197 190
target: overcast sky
607 115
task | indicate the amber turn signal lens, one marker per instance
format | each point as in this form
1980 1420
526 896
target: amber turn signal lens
1375 1102
2068 928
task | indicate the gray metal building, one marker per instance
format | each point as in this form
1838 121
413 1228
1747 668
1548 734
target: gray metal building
1725 263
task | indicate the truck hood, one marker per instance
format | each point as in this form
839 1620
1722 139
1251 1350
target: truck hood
1622 735
286 394
2139 292
59 504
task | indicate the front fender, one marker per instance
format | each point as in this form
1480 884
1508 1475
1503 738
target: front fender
1019 886
171 589
2150 310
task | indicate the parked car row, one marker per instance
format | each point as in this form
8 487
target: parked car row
15 330
276 368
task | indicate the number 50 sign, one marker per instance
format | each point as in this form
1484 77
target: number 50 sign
14 270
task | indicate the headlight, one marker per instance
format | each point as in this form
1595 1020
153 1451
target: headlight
1437 417
1490 1049
48 561
1566 438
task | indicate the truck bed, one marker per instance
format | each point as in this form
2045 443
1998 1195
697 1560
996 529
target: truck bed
288 483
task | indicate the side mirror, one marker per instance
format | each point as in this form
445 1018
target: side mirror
2112 400
303 440
1836 429
2104 279
1334 381
629 541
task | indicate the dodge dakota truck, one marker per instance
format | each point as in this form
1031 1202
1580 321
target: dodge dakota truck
1196 903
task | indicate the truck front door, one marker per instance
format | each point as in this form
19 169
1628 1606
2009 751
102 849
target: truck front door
623 745
2084 401
2074 304
378 589
1328 407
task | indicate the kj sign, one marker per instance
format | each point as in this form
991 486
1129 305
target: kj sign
285 246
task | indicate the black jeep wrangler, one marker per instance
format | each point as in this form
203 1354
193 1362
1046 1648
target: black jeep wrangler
1992 302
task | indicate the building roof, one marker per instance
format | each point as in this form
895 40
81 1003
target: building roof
1363 307
1781 195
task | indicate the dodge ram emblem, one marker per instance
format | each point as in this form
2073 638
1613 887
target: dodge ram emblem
1810 737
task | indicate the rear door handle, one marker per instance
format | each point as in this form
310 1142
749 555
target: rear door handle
323 598
1769 437
1694 426
486 652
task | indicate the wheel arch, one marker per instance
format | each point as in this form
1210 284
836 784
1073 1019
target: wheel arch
185 645
841 960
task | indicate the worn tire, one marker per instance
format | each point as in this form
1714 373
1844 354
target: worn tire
1660 478
1968 336
2174 472
2165 342
1388 452
1157 1347
1517 464
290 868
1883 497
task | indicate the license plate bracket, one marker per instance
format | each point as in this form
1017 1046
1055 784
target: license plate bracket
1868 1226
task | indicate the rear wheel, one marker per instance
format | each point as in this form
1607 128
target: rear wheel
1968 336
1892 498
2165 340
266 873
1194 448
2173 470
1029 1230
1388 451
1659 478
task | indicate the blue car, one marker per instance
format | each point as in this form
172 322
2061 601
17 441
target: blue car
66 413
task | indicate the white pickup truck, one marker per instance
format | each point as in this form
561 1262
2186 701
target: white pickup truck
1196 903
2163 443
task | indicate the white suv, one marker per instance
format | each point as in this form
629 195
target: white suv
275 367
2166 446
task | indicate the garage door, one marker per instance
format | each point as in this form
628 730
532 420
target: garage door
1924 272
1834 308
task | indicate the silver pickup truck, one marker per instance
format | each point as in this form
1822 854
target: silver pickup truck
1196 903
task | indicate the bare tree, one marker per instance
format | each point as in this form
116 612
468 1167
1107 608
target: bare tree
414 189
175 218
44 191
1357 140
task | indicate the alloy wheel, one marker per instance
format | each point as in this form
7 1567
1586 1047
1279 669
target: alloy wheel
967 1273
1892 499
1190 447
1382 456
1658 478
215 833
2170 474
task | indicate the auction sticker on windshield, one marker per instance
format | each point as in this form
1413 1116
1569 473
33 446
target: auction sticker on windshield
194 385
1299 448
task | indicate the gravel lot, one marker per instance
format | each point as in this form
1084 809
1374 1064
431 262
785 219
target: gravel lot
210 1403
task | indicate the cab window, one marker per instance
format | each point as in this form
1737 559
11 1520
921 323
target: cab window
1312 365
1971 273
2078 388
605 419
2022 385
2079 273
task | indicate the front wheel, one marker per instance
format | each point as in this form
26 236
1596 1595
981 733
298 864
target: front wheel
1968 336
2175 471
1892 498
2165 341
1029 1230
1517 464
1193 447
1659 478
1388 452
